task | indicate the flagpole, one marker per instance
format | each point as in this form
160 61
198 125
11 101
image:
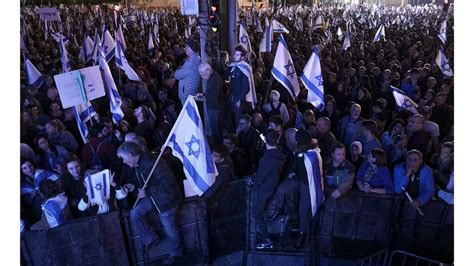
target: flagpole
163 148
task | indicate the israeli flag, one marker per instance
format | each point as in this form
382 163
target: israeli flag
86 49
313 163
278 27
379 34
56 210
58 36
33 76
95 50
251 96
244 40
189 144
122 63
66 65
347 38
108 45
284 70
98 191
404 102
151 45
114 96
318 23
266 43
156 32
443 64
339 33
257 23
83 113
442 31
312 79
119 37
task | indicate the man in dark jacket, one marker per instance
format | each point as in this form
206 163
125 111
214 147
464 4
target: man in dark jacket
265 182
220 155
239 84
214 99
161 193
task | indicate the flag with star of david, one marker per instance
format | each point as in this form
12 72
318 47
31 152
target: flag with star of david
86 49
122 62
244 40
98 189
189 144
33 76
443 64
442 31
284 70
115 101
266 43
278 27
404 102
108 44
312 79
380 34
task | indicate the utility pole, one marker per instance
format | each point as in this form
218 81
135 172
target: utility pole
232 9
204 29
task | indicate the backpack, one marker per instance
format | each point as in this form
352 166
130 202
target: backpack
96 161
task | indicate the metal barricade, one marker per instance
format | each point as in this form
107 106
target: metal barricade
401 258
379 258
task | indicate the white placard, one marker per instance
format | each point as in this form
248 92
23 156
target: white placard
49 14
69 87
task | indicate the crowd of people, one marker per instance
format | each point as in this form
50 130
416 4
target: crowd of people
360 139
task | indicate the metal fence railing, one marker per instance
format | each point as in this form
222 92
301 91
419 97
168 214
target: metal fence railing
379 258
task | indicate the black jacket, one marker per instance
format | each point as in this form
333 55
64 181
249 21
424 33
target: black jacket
162 187
269 171
239 85
215 92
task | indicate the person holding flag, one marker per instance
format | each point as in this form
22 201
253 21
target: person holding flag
308 171
242 87
161 193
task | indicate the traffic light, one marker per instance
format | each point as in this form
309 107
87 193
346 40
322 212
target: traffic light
214 19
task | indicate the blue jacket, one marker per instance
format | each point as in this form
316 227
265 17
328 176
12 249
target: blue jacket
381 179
426 191
189 78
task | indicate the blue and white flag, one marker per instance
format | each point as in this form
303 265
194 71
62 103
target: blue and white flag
83 113
119 37
251 96
114 96
318 23
347 38
66 65
244 40
151 44
257 23
57 36
312 79
284 70
266 43
278 27
56 210
95 50
189 144
442 31
443 64
122 63
86 49
404 102
108 45
98 190
156 32
33 76
379 34
313 165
